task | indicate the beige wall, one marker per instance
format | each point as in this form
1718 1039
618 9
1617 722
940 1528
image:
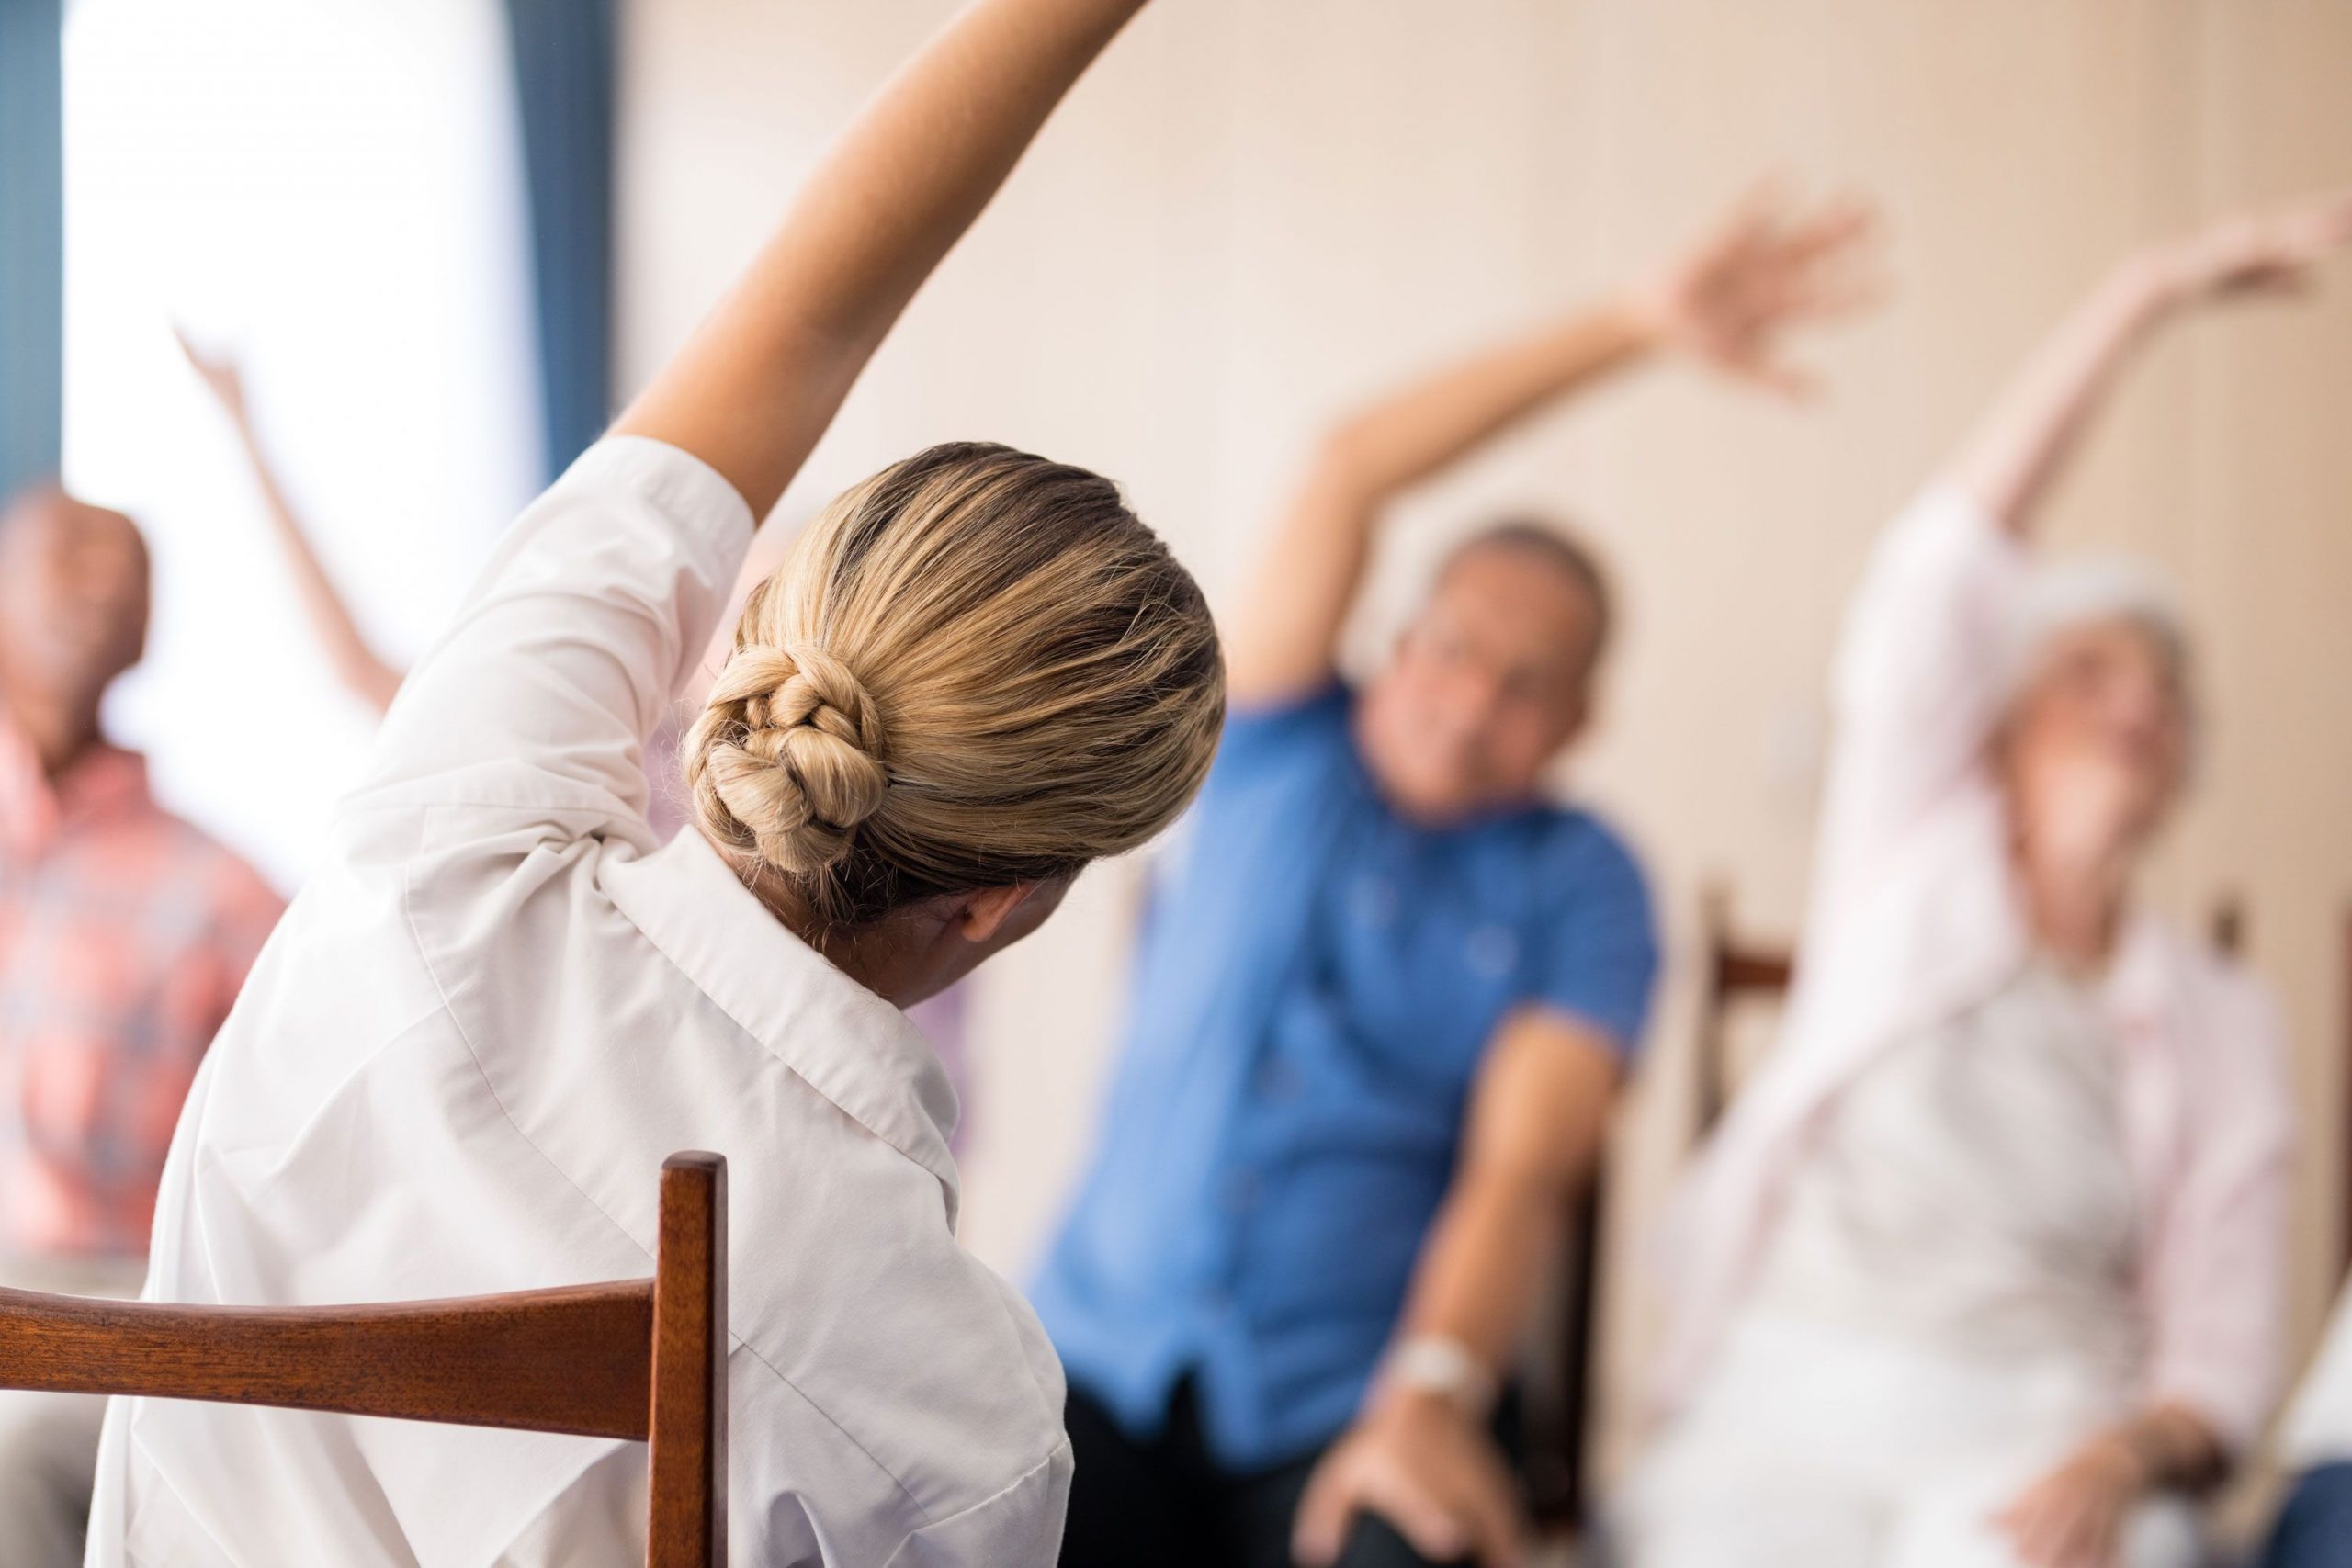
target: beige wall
1254 213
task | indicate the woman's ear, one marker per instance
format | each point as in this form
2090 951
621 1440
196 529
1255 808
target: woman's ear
986 912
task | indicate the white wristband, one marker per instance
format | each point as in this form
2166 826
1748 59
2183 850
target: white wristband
1434 1363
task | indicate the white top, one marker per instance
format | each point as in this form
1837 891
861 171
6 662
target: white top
1916 920
1971 1191
459 1067
2319 1424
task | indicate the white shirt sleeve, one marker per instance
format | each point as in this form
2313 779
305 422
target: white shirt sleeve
1916 683
569 647
2221 1263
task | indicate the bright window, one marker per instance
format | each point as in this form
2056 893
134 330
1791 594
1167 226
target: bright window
333 193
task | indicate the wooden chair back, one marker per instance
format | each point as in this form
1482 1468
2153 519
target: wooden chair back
1558 1435
641 1359
1560 1465
1734 970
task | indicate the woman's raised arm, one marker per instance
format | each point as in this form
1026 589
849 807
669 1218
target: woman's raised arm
2017 450
1918 671
591 612
757 384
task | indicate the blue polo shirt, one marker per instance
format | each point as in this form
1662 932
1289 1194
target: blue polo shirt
1317 980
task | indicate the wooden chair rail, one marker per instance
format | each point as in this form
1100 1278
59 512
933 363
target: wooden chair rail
644 1360
571 1359
1739 970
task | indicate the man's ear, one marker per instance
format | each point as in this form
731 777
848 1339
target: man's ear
986 911
1578 718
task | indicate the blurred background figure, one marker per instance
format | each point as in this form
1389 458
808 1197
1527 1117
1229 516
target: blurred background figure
124 935
220 163
1386 996
337 204
1991 1256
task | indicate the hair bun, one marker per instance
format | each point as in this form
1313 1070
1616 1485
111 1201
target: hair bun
787 757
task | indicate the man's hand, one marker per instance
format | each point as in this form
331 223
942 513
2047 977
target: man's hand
1770 267
1420 1462
2073 1517
1419 1457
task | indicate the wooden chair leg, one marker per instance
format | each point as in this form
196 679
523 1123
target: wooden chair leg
689 1527
1584 1356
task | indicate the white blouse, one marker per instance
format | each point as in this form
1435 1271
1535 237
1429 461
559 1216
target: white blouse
1969 1191
459 1066
1915 921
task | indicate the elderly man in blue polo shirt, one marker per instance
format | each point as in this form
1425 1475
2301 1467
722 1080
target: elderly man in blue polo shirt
1386 998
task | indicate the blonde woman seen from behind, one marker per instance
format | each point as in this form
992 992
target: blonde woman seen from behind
976 673
499 1004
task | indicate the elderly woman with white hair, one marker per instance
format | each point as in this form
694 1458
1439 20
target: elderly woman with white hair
1984 1267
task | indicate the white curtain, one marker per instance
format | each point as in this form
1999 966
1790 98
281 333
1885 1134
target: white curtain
330 190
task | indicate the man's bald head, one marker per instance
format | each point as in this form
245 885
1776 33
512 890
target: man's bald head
73 596
1492 679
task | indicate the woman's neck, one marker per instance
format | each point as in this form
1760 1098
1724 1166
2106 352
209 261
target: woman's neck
869 957
2075 900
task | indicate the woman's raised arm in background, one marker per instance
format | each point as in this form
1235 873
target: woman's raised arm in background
2017 451
1918 681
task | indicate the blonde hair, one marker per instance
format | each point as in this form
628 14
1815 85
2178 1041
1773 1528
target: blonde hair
976 668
